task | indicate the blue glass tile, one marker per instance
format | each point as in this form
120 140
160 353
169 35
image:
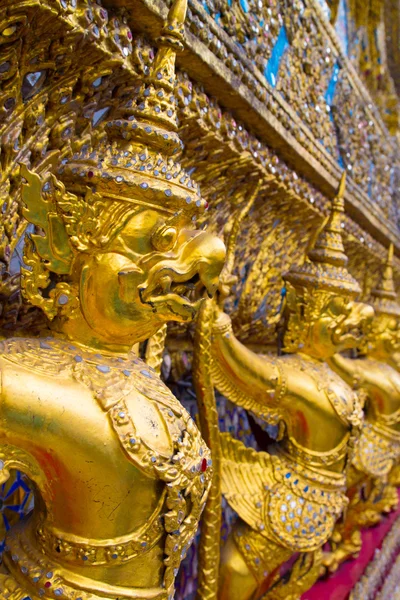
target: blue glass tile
341 25
17 500
325 7
330 92
272 68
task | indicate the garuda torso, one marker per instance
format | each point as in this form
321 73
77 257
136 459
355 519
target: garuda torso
294 493
379 447
96 434
330 413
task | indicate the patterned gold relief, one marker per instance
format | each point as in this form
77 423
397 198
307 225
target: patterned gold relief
200 117
354 131
113 254
289 499
377 454
105 238
371 24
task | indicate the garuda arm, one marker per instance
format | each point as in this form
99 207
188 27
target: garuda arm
250 380
349 369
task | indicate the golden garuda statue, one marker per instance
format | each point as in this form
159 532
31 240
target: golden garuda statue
289 496
114 256
375 374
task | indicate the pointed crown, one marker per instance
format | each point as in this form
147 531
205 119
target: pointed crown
325 265
384 297
139 162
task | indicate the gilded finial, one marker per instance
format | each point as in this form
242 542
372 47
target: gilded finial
328 247
325 265
342 188
139 163
156 103
176 17
385 288
384 297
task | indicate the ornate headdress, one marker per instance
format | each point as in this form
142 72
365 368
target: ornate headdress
139 162
384 297
99 188
325 265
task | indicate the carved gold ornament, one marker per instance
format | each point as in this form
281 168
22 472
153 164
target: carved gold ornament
113 255
375 375
289 496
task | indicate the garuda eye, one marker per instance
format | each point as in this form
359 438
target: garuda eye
336 308
164 238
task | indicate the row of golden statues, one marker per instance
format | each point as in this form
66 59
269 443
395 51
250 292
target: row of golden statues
116 255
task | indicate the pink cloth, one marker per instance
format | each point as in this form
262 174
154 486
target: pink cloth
339 585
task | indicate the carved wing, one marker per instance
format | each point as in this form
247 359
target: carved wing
245 475
40 209
267 247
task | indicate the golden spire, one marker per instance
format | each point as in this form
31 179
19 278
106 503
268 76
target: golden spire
385 288
328 247
325 265
156 103
384 297
139 162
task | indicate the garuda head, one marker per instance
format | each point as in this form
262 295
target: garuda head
117 242
383 339
324 317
